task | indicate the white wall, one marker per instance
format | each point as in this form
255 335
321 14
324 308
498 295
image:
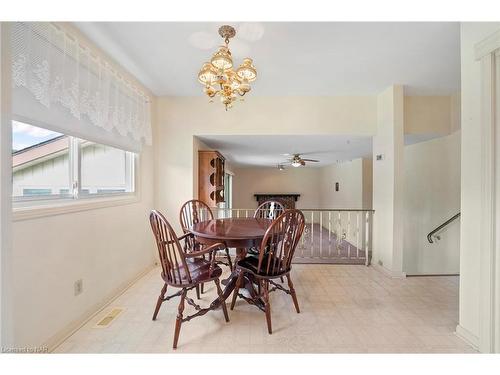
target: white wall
387 181
353 187
470 317
303 181
431 196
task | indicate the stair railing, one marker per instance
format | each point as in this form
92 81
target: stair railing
437 229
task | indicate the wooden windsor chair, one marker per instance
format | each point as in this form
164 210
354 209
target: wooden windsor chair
193 212
274 261
184 269
269 209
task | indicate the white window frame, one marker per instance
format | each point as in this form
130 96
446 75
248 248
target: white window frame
46 205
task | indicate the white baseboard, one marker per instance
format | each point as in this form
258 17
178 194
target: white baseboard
467 336
388 272
70 329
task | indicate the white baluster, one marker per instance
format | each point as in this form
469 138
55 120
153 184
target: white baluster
321 234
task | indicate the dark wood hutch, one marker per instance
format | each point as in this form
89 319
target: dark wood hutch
211 177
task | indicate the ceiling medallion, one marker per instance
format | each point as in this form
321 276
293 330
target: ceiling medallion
219 77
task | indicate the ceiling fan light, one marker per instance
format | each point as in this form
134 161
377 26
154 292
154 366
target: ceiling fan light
296 163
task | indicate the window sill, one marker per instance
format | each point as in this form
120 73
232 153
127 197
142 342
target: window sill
51 208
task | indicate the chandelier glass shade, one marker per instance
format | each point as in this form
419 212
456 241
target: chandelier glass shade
220 79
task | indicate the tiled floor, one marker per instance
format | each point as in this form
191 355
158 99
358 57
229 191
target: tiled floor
345 309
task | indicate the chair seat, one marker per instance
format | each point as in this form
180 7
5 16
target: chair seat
199 269
250 264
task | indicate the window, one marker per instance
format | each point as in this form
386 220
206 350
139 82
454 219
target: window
49 165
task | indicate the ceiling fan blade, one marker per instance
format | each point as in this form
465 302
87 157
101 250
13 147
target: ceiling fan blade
311 152
311 160
302 162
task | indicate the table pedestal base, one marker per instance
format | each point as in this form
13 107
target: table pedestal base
249 284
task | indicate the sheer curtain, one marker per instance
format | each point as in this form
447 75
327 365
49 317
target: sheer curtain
62 84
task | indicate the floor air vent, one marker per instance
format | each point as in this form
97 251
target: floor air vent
109 318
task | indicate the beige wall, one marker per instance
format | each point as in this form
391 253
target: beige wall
106 247
367 183
470 317
349 175
181 118
431 196
431 114
315 185
304 181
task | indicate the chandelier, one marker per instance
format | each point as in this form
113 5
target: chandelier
219 77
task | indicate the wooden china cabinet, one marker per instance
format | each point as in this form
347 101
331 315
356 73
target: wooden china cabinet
211 177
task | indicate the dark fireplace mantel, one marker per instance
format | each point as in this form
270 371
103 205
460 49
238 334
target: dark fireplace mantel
288 199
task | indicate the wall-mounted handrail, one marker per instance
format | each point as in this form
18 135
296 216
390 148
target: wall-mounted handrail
437 229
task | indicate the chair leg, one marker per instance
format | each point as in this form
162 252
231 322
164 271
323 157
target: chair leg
219 293
267 305
160 301
281 279
292 292
198 291
202 288
239 280
178 321
229 259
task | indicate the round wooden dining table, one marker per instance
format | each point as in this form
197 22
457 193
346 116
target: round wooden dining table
240 233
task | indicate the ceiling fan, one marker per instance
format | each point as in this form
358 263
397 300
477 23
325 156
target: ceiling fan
297 161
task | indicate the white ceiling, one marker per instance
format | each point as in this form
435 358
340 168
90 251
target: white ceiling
292 58
269 150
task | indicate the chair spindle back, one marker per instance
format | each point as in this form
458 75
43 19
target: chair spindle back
172 259
269 210
193 212
279 243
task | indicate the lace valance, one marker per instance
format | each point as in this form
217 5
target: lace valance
63 74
